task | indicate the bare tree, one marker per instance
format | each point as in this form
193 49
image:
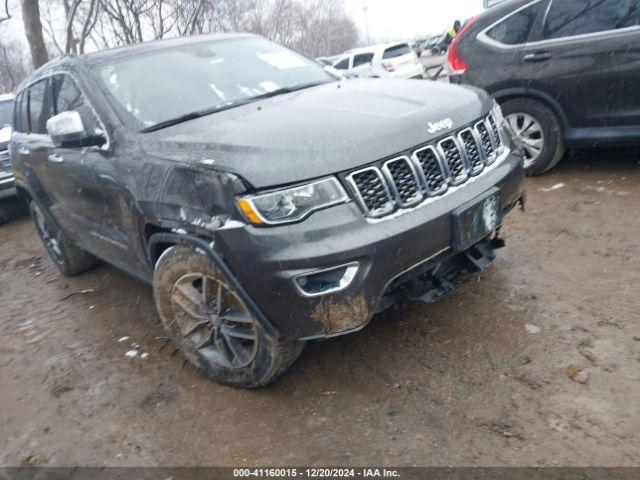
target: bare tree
14 65
6 15
33 31
315 27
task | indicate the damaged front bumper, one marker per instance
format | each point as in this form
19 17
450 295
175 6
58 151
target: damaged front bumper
366 266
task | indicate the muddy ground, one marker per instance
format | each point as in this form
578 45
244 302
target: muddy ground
480 378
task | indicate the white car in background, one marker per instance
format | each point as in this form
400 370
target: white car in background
390 60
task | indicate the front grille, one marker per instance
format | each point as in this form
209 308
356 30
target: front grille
427 171
487 142
373 191
404 181
5 162
474 157
495 132
454 160
434 177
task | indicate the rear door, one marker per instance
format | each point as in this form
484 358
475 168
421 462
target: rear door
499 64
31 146
586 54
362 64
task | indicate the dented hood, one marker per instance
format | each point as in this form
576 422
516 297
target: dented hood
319 131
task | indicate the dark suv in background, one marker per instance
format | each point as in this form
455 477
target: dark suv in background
566 72
265 201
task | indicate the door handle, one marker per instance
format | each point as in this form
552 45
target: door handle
537 57
55 158
24 150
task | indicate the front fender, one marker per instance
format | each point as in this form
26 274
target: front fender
191 241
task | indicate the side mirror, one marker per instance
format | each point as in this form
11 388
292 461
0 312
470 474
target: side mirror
67 131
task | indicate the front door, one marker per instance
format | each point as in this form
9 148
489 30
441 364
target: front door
91 198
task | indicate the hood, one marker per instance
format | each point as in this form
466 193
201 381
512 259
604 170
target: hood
319 131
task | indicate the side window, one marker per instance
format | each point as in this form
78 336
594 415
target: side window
342 64
515 30
16 113
22 114
580 17
362 59
39 106
68 97
397 51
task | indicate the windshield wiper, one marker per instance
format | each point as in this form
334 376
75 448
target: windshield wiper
220 108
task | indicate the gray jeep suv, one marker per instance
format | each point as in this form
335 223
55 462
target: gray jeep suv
266 202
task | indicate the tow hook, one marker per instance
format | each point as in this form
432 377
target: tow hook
497 242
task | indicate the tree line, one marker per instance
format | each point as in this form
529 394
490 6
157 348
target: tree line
57 27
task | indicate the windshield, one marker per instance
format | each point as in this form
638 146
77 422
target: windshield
160 86
6 112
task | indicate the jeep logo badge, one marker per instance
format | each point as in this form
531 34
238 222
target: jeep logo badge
446 124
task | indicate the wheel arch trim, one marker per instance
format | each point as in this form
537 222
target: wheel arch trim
193 241
545 98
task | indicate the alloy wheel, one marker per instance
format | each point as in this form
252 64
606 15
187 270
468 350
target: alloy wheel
215 320
529 136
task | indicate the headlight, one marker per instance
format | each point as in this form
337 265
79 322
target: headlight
292 204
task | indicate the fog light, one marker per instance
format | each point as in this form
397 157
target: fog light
323 282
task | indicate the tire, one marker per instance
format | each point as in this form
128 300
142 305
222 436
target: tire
216 331
553 144
69 259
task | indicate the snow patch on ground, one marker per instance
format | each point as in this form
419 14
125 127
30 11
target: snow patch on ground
557 186
531 328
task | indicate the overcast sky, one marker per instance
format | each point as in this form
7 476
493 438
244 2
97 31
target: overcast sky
403 19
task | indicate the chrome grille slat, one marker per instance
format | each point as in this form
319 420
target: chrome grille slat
486 139
372 190
403 181
433 175
430 170
497 141
454 160
5 161
473 150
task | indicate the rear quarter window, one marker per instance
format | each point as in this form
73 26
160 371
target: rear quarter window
397 51
22 113
581 17
40 108
515 29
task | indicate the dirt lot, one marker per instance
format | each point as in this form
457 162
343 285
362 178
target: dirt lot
480 378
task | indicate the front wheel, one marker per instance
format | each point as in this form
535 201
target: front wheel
537 131
211 324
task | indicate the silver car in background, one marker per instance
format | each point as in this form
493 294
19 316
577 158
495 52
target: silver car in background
7 188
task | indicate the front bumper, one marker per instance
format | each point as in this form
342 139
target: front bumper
267 260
